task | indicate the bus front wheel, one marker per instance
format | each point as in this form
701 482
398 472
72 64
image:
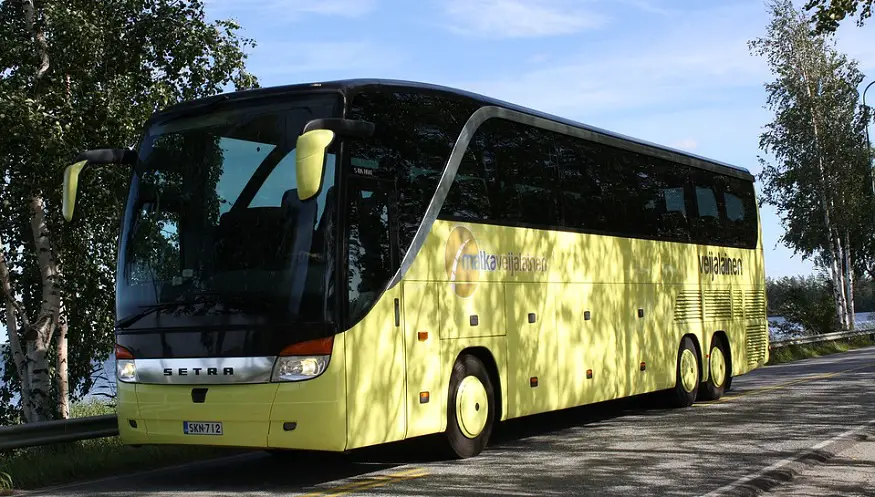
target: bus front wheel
470 408
687 383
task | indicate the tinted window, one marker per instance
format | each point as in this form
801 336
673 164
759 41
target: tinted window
527 173
508 175
473 195
585 188
741 218
707 202
707 223
664 187
414 135
370 262
734 208
519 175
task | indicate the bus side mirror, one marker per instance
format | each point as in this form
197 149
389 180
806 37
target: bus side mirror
71 185
310 161
71 174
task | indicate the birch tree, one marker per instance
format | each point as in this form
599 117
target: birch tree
818 178
829 13
79 74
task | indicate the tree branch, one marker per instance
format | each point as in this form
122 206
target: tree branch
39 36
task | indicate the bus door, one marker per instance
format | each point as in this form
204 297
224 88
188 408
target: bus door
374 342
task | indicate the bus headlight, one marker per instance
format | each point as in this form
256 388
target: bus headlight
126 370
298 368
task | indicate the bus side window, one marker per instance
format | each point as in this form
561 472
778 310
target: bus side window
740 213
527 173
414 136
473 195
708 222
583 199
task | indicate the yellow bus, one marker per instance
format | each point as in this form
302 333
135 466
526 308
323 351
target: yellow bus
337 265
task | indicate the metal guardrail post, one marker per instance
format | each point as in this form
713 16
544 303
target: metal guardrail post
59 431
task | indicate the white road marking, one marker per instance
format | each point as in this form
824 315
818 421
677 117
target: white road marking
790 460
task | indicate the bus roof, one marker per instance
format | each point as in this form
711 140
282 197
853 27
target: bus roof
354 84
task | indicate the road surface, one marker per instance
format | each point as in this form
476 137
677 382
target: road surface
775 423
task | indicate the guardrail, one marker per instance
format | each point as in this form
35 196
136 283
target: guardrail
825 337
59 431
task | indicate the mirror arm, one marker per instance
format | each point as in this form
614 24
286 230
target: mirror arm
108 156
342 127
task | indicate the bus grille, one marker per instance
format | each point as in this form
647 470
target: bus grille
737 304
688 306
757 342
755 304
718 304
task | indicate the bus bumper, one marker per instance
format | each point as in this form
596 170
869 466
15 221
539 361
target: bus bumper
308 415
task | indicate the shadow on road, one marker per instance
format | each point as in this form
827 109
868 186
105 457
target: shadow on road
300 471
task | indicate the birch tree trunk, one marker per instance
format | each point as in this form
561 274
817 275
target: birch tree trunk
835 274
849 279
44 328
14 313
63 377
842 302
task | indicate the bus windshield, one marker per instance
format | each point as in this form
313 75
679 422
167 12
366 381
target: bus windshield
214 224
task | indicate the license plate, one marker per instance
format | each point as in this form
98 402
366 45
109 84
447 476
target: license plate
201 428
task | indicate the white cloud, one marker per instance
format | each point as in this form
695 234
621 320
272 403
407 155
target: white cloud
348 8
286 9
686 144
273 59
702 61
519 18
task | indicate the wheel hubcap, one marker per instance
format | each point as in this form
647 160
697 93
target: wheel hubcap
689 371
472 406
718 367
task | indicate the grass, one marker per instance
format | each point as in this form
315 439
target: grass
38 467
804 351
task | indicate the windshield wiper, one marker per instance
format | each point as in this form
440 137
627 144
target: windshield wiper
149 309
212 298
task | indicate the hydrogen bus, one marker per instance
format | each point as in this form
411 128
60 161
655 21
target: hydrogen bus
337 265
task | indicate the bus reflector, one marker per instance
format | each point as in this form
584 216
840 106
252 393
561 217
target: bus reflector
589 374
122 353
423 336
423 397
533 381
643 366
321 346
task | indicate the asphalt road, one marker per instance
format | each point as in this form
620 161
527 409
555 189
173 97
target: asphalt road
776 422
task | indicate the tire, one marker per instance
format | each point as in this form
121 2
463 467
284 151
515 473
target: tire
471 390
719 372
687 381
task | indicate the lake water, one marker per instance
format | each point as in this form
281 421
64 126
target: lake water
862 320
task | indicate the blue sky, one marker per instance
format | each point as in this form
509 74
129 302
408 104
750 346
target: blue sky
675 72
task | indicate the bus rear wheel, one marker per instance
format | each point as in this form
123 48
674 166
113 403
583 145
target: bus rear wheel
719 373
687 383
470 408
